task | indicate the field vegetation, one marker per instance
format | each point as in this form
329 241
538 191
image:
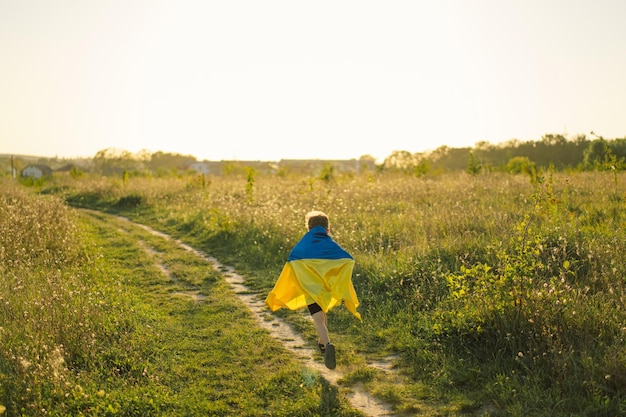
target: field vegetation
499 294
90 325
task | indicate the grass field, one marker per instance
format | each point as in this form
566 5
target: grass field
91 326
499 294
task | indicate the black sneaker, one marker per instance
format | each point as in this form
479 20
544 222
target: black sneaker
329 356
322 347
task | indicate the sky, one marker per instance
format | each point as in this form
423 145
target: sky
271 80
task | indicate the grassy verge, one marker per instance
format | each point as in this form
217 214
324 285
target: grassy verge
113 335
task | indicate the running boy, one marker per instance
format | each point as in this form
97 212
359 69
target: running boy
317 275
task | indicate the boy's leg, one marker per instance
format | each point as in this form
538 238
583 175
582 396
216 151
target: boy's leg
319 319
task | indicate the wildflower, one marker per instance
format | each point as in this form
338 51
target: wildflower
25 363
57 361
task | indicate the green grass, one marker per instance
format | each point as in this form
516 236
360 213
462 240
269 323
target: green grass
500 295
123 338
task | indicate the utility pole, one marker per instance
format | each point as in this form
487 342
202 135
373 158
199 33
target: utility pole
12 168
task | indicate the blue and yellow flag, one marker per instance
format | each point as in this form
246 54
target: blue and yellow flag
318 271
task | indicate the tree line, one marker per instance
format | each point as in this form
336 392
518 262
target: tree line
552 150
580 153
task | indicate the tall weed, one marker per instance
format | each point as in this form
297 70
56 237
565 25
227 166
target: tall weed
54 320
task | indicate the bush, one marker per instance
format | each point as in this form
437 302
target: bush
520 165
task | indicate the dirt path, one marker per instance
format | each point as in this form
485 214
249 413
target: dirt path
279 329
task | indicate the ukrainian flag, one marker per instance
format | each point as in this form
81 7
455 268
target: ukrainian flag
318 271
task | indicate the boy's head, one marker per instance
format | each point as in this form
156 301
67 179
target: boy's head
317 218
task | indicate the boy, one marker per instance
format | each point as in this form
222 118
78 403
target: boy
317 275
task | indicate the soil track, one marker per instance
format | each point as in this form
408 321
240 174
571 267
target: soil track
279 329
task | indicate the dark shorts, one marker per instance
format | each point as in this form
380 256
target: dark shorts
314 308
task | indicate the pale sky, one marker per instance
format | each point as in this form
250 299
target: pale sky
266 80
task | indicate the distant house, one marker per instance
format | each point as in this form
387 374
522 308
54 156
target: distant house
315 166
201 167
65 168
305 166
36 171
261 167
229 167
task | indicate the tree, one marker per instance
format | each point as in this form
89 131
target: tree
113 161
605 155
448 158
365 163
399 160
170 162
553 140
